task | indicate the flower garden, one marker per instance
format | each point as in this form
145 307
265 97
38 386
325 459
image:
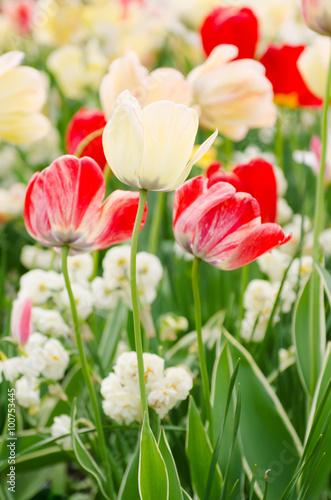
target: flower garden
165 250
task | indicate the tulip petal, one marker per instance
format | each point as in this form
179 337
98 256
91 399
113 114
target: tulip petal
167 84
21 128
74 189
10 60
115 219
22 89
169 135
262 239
124 150
35 209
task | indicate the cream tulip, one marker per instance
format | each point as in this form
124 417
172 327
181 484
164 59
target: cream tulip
313 65
151 148
317 15
22 95
233 96
126 73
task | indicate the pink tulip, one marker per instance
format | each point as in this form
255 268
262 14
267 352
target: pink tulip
317 15
221 226
21 320
63 207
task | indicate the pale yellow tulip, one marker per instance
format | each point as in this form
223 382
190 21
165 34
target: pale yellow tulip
313 65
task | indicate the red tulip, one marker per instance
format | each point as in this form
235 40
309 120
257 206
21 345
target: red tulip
281 69
82 124
63 206
20 320
221 226
231 25
256 178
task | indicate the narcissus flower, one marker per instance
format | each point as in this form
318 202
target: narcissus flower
21 326
221 226
288 85
22 95
317 15
63 207
256 178
231 25
233 96
82 124
151 148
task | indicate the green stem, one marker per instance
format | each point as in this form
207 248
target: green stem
156 221
244 281
86 374
135 302
86 141
318 226
279 139
203 366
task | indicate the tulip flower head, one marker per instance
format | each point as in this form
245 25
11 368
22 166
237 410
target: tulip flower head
151 148
63 207
21 326
221 226
231 25
317 15
256 178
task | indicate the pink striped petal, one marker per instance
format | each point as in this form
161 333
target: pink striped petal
35 209
262 239
21 320
223 227
74 189
115 219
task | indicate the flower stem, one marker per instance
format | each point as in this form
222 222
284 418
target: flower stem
314 308
156 221
135 302
86 141
203 366
86 374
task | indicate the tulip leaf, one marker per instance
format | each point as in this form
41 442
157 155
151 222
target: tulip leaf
28 484
153 477
267 436
309 352
186 496
84 458
111 334
129 485
326 278
199 453
317 425
174 483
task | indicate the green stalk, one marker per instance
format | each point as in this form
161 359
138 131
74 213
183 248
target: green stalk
135 303
203 366
318 226
156 221
86 141
86 374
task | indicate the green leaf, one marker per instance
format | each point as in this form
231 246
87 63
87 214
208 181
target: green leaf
326 278
267 436
309 352
85 459
111 334
174 483
199 453
153 477
129 486
317 419
28 484
186 496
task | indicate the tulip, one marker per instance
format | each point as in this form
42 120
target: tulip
231 25
317 15
22 95
150 148
220 226
21 14
63 207
233 96
84 123
256 178
21 326
288 85
126 73
313 65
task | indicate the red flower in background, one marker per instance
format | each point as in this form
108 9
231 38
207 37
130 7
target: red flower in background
256 178
82 124
231 25
281 69
221 226
63 207
20 321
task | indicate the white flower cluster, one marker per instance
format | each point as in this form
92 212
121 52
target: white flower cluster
11 202
260 295
115 282
164 387
42 357
60 427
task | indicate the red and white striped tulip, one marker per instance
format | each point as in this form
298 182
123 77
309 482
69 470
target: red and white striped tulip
20 321
221 226
64 207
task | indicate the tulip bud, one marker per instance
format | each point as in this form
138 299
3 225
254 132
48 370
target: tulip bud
21 320
317 15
